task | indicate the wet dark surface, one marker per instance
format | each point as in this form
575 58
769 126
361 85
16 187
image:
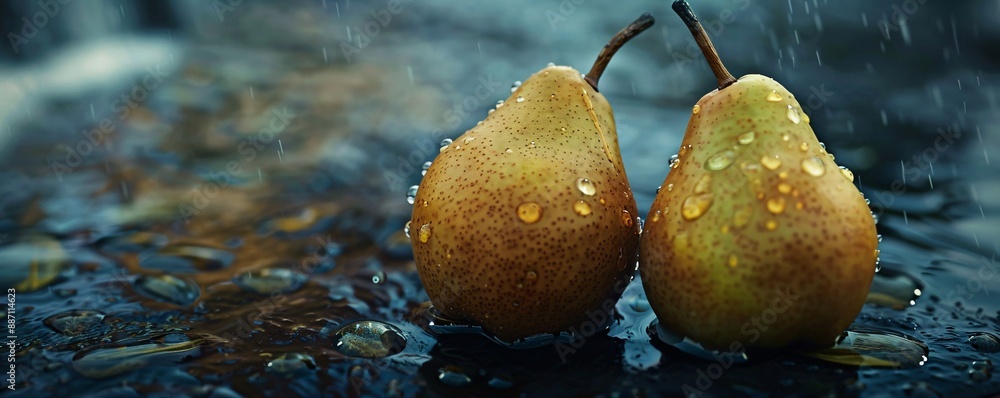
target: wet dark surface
189 253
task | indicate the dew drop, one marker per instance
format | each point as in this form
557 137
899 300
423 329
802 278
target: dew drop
586 186
813 166
675 161
427 165
520 99
670 187
531 275
509 150
379 278
704 183
581 208
696 109
453 376
444 144
369 339
805 118
776 205
848 174
684 150
771 225
468 139
529 212
770 162
985 342
720 160
411 194
804 146
786 137
76 322
425 233
746 138
656 216
499 104
513 87
793 115
733 260
627 218
168 288
783 174
550 64
270 281
681 239
773 96
406 229
784 187
695 206
742 216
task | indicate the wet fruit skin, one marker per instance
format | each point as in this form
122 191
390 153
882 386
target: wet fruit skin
494 259
795 271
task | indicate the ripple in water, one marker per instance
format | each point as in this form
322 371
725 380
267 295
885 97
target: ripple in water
872 348
185 258
107 362
440 324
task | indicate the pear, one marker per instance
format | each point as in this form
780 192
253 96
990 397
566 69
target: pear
757 238
526 224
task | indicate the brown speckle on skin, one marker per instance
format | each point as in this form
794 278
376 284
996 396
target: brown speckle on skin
820 252
558 267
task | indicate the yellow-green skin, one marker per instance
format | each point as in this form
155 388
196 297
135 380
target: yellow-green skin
716 276
480 262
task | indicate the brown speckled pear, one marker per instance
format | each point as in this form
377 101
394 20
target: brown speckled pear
526 224
756 237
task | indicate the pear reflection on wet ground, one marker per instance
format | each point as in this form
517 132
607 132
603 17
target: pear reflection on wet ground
241 231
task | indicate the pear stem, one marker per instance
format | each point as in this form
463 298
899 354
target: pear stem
623 36
683 9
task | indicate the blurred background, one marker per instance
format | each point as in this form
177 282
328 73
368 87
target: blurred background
203 197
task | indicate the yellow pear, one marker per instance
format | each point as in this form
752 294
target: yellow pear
757 238
526 224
